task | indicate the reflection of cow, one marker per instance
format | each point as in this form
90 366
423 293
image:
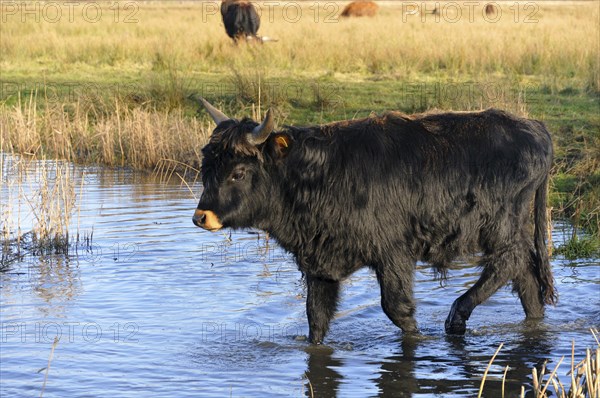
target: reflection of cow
360 9
240 19
385 192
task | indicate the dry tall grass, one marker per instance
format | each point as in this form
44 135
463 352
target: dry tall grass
88 132
44 199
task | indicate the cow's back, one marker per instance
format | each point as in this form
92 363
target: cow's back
430 183
240 18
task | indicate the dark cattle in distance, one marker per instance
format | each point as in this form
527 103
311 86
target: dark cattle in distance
240 19
385 192
360 9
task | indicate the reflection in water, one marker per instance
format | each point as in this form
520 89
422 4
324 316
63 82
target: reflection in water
324 379
452 365
533 348
56 281
520 353
185 313
397 373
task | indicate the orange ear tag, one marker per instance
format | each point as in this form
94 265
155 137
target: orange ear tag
281 141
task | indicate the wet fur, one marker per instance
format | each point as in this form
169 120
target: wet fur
390 190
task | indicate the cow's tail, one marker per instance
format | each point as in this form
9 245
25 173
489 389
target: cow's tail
542 263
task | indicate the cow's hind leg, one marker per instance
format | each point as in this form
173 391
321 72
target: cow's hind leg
497 272
321 303
397 295
526 285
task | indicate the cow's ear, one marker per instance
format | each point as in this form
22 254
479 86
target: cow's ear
280 144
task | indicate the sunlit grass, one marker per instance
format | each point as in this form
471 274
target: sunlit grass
552 41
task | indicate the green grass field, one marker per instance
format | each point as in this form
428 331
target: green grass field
110 83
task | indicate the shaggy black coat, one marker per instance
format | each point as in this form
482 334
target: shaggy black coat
240 19
388 191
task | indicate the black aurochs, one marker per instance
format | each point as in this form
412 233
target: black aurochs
385 192
240 19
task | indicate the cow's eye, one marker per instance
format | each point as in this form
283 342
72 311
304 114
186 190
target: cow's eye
238 175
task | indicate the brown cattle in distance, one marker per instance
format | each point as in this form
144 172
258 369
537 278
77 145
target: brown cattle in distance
360 9
490 9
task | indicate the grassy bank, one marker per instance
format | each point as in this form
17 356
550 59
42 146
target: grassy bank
115 90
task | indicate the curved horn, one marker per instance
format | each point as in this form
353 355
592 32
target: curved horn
216 114
262 131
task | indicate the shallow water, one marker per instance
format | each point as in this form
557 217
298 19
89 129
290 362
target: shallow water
158 306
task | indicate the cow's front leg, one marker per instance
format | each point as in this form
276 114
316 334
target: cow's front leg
396 283
321 303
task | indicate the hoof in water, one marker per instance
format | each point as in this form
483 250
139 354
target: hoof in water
455 324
